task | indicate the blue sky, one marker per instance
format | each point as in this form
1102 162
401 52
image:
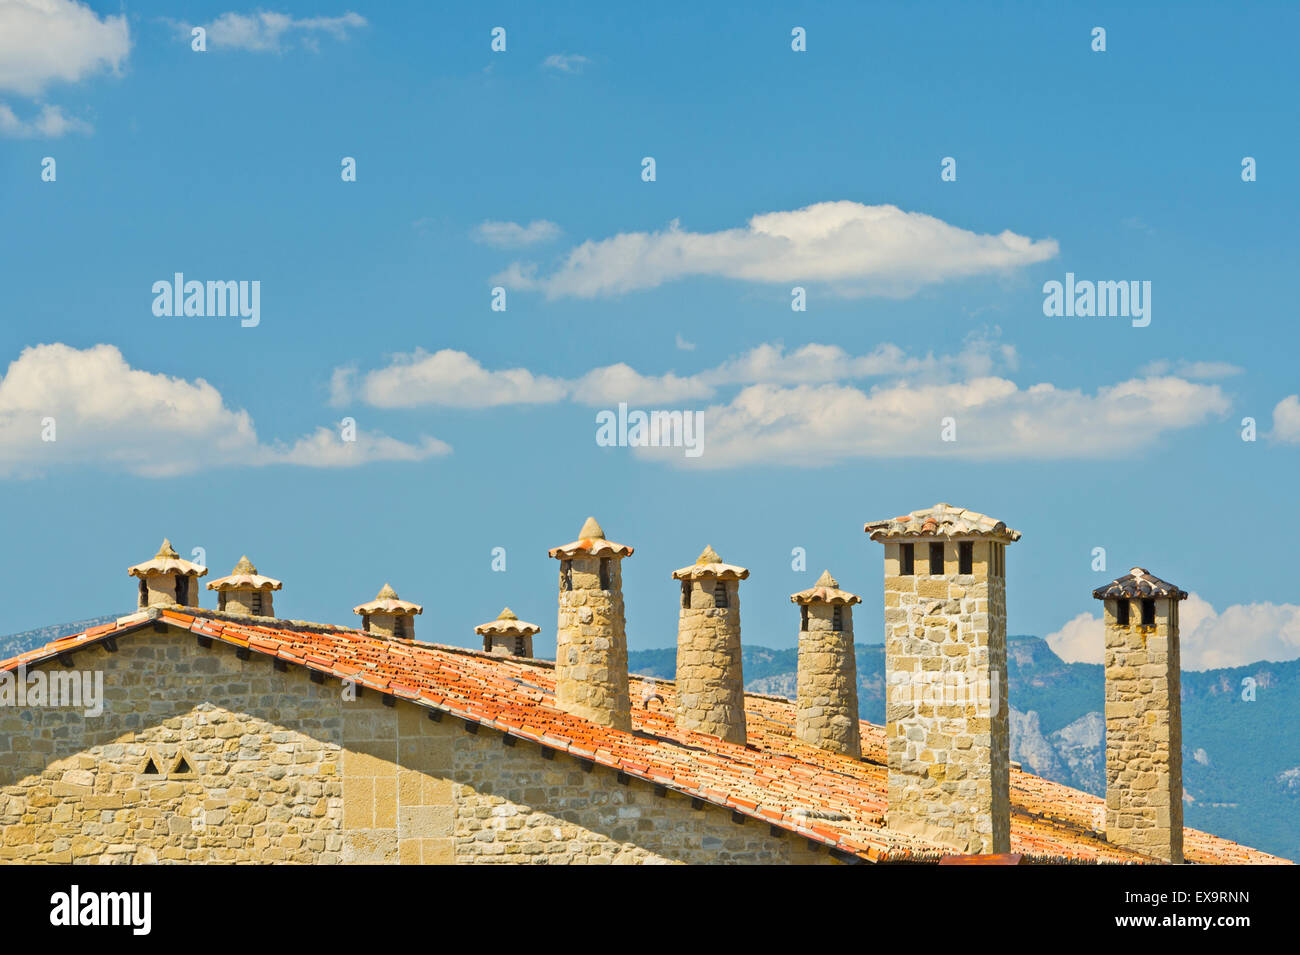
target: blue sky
225 164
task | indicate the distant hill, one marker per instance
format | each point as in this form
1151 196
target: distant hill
1241 759
15 643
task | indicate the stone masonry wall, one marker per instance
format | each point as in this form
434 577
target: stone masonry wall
1144 772
826 711
710 687
591 646
946 717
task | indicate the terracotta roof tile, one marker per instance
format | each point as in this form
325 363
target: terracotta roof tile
942 520
1139 583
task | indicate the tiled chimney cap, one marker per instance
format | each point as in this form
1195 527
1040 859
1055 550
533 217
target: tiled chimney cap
245 577
591 542
1139 582
386 601
827 591
166 561
942 520
507 625
709 564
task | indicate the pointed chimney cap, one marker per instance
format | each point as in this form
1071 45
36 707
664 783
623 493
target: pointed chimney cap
591 542
827 591
709 564
166 561
244 576
507 624
387 601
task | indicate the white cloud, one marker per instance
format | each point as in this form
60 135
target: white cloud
512 235
1286 420
1196 370
51 41
109 415
683 344
446 378
265 32
606 386
1081 640
1242 634
565 62
50 123
814 425
859 249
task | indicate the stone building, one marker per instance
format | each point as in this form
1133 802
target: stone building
710 684
946 674
826 699
1144 725
224 736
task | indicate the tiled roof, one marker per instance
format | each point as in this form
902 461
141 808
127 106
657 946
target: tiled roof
1139 583
709 564
942 520
591 542
244 576
826 590
387 601
507 624
825 797
166 561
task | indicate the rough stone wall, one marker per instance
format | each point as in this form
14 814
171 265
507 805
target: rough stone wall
710 685
826 711
513 807
946 715
591 646
162 590
1144 770
263 786
385 625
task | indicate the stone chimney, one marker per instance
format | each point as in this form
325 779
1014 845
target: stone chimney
946 677
388 615
245 591
166 580
507 635
1144 725
710 685
590 635
826 711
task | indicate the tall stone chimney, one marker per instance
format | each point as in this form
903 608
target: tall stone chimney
507 635
1144 724
946 677
710 684
590 635
167 580
826 710
388 615
245 591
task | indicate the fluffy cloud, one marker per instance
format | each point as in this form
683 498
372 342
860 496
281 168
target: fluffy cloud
104 413
50 123
1208 640
51 41
1286 420
565 62
859 249
264 32
813 425
446 378
512 235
